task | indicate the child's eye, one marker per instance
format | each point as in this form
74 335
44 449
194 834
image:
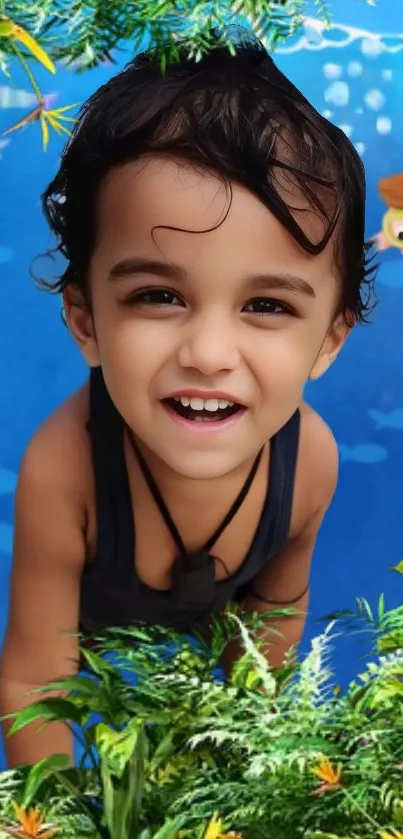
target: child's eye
265 306
156 297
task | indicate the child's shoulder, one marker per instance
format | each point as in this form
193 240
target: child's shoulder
59 455
317 468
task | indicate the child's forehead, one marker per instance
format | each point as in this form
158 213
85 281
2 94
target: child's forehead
157 209
165 192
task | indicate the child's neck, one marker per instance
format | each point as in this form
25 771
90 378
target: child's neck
186 491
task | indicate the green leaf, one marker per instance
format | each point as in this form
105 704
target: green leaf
163 751
6 28
39 773
75 684
117 747
51 710
123 796
381 608
317 834
398 568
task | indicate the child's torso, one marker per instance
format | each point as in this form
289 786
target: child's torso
127 577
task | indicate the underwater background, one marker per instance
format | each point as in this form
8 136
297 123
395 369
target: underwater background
353 74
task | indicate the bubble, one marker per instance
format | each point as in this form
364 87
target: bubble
387 74
359 110
372 47
384 125
375 99
360 147
354 69
313 33
332 71
338 94
327 114
348 129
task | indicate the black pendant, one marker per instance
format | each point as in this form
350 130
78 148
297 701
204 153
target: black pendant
193 580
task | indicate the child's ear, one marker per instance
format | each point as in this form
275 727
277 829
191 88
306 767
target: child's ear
333 343
81 325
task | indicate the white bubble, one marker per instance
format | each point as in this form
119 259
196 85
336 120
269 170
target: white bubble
338 94
313 33
358 110
360 147
372 47
332 71
327 114
384 125
387 74
354 69
348 129
375 99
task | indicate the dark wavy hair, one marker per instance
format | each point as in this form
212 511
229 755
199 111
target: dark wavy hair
233 113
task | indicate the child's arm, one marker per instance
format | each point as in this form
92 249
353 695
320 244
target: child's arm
49 554
285 581
285 585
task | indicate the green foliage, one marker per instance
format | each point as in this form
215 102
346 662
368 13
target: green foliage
272 751
85 33
88 31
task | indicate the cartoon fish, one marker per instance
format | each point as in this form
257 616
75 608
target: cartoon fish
369 453
393 419
8 481
391 235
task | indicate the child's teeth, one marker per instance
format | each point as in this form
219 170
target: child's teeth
196 404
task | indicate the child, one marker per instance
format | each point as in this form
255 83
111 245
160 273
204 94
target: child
212 225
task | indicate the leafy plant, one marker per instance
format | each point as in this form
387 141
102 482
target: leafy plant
85 33
184 754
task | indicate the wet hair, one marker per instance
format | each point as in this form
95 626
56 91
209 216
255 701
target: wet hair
232 113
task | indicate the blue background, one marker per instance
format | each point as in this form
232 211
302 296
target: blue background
355 79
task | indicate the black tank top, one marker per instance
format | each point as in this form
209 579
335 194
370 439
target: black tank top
112 594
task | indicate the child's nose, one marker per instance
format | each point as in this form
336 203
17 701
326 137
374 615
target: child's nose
209 346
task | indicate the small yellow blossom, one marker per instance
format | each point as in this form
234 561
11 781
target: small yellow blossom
30 825
215 828
54 118
327 773
391 834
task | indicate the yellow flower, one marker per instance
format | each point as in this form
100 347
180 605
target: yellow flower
327 773
30 825
391 834
215 828
55 118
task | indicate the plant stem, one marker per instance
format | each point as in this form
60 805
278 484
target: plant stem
363 812
29 73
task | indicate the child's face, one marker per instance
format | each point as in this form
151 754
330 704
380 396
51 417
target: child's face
240 310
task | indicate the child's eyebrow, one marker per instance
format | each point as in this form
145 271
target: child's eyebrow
141 265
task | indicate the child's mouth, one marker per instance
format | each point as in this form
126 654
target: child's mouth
200 410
